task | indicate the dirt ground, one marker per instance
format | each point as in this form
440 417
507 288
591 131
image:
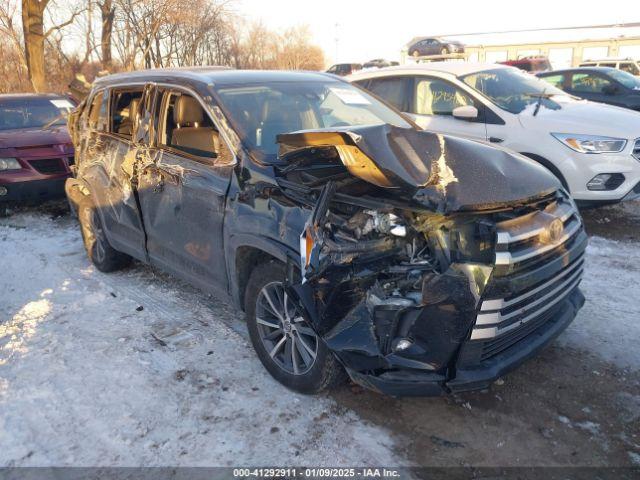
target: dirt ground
565 407
572 405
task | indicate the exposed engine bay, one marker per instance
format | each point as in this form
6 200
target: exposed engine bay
390 284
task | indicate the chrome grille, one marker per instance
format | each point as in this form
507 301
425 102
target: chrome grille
500 316
527 239
636 149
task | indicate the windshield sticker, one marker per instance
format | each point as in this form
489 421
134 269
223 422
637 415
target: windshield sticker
60 103
350 97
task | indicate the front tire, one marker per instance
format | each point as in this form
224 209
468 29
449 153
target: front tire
283 340
102 255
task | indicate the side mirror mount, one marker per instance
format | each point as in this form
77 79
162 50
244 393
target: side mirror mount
466 112
609 89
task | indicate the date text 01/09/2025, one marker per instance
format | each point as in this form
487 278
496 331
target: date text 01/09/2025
322 472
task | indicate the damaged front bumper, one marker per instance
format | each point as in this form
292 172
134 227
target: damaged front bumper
417 382
406 328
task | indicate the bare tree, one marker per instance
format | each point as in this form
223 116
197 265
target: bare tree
107 13
34 38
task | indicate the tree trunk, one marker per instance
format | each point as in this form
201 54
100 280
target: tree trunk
108 14
33 29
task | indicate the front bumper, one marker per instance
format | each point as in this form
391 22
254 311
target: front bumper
579 169
33 191
419 383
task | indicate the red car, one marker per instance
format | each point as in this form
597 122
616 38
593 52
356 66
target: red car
35 148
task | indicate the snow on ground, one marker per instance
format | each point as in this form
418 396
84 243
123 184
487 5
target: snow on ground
609 323
85 379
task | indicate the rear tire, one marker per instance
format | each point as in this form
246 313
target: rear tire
102 255
445 51
285 344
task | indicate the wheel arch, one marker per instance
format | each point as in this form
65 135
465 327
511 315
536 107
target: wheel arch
549 166
247 252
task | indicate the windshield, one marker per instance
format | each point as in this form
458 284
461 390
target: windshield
625 79
260 112
513 90
32 112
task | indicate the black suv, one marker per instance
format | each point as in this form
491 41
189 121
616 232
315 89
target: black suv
417 263
598 84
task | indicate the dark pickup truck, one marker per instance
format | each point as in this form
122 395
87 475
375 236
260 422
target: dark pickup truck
417 263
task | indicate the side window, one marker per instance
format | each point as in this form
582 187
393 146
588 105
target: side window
332 69
186 127
98 111
555 80
124 109
393 90
588 83
439 97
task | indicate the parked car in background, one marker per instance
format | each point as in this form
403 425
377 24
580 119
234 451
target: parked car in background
344 69
628 65
352 239
536 63
379 63
35 148
434 46
598 84
592 148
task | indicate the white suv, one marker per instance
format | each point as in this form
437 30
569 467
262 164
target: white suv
593 148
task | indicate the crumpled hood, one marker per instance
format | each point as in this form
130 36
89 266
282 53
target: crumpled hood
33 137
446 174
604 119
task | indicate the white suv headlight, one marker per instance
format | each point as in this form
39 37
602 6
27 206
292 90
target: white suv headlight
9 164
591 143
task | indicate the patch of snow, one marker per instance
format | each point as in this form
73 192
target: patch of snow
89 379
609 323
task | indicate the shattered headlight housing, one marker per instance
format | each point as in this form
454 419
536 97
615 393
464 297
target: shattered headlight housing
472 243
591 143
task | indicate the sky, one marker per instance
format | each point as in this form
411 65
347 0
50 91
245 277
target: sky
376 29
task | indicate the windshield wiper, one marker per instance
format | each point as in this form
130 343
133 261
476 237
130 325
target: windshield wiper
48 125
539 96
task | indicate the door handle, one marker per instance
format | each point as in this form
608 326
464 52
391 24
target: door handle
495 140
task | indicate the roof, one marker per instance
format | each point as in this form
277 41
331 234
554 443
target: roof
218 75
453 68
29 95
609 59
577 69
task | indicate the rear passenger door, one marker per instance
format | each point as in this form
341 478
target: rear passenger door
183 181
106 154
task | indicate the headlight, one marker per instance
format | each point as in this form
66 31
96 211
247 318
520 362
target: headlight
9 164
591 143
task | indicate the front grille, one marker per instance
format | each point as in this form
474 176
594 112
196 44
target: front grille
526 246
49 165
530 239
502 316
636 149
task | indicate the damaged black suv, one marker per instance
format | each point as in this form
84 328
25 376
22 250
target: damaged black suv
417 263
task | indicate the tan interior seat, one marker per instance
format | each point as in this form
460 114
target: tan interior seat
126 127
188 116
